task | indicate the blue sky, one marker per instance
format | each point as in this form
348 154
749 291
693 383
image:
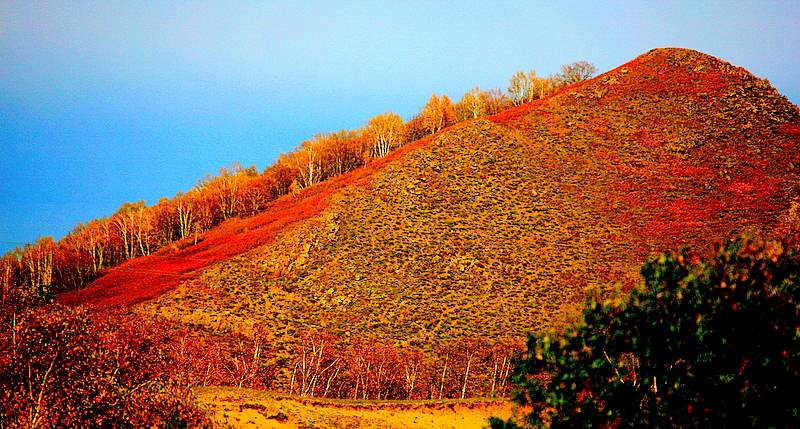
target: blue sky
107 102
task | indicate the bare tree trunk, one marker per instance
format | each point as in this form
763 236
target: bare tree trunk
291 382
444 374
466 375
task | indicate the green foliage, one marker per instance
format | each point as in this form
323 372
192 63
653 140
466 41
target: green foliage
704 343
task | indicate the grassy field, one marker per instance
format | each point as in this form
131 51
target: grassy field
245 408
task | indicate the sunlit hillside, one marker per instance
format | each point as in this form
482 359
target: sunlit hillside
499 226
415 274
496 226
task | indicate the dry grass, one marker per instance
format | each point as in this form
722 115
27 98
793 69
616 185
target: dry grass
244 408
144 278
433 250
499 227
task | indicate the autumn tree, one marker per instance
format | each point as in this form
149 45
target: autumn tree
472 105
227 188
441 367
10 272
185 211
519 88
411 365
704 342
539 86
432 118
384 133
66 368
415 129
71 264
126 221
339 152
526 87
468 354
247 363
499 363
577 72
257 192
438 113
37 260
233 359
305 160
545 85
206 213
532 92
373 370
448 112
494 101
143 230
163 223
316 366
282 177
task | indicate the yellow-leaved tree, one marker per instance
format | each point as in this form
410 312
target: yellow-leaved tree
384 133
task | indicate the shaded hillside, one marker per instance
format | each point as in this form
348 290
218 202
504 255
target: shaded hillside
499 226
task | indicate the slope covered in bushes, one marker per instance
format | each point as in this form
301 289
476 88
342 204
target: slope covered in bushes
499 226
492 228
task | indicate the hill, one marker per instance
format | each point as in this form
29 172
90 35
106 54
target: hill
495 226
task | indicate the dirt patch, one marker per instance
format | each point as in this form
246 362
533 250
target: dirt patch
246 408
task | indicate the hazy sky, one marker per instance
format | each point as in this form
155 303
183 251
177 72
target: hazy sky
111 101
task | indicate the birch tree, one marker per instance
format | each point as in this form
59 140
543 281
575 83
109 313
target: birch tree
472 105
438 113
384 133
519 88
577 72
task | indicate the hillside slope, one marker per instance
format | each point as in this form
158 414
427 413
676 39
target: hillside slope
499 226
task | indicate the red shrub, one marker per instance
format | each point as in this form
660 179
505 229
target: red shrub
67 367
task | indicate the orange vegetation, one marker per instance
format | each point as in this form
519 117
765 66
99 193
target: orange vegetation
487 229
147 277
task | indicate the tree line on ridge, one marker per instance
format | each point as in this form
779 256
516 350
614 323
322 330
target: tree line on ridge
48 266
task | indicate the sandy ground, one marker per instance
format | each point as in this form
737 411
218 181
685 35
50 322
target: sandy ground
246 408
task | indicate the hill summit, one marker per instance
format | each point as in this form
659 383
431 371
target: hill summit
495 226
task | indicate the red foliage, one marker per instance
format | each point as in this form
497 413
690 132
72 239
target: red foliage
325 365
791 128
692 172
147 277
649 138
65 368
687 148
214 360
